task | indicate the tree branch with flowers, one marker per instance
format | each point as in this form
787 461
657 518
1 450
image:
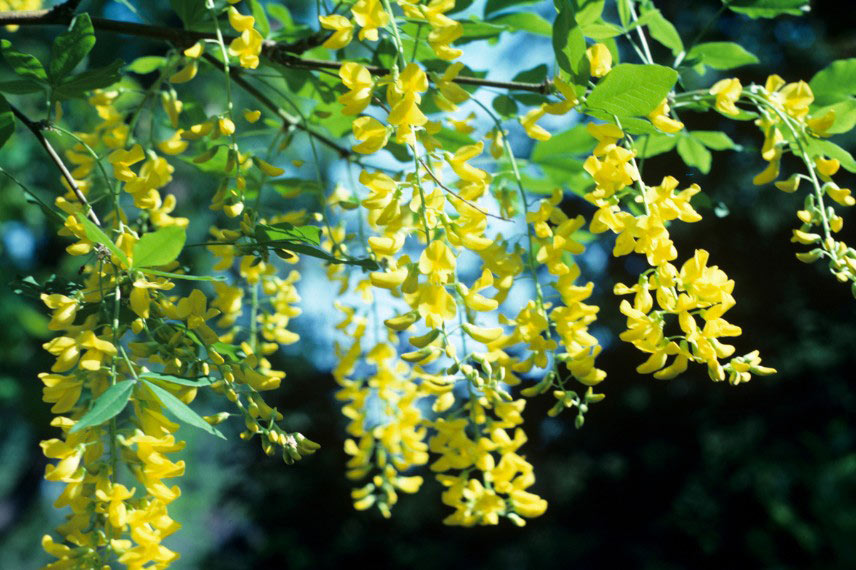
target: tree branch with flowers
450 256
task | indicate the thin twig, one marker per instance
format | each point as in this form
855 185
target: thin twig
36 129
455 194
276 52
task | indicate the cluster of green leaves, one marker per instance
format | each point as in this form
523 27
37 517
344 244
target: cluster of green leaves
57 79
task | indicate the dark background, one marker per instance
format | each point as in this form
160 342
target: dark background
685 473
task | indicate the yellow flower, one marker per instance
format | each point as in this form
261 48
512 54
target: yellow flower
600 60
437 262
727 93
372 133
65 309
370 15
404 97
529 120
661 119
248 45
359 82
450 94
435 304
343 31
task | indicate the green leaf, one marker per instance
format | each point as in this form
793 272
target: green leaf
97 78
198 381
505 106
262 23
601 30
656 143
107 406
828 148
524 22
97 235
452 140
536 74
191 12
835 82
767 8
494 6
630 90
181 411
171 275
845 116
623 11
589 11
569 45
364 262
288 232
281 14
694 154
715 140
23 64
146 64
70 48
664 32
21 86
159 247
7 121
721 55
560 157
230 351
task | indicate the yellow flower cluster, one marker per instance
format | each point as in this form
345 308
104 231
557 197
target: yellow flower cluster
95 352
695 292
370 15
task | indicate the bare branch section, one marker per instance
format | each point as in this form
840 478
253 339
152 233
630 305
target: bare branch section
37 130
281 53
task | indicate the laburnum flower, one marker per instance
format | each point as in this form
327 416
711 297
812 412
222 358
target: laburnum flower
792 98
449 94
61 391
369 15
530 119
372 134
248 45
437 262
600 60
186 73
115 495
64 310
666 205
404 96
435 304
661 119
359 82
86 348
343 31
473 300
529 122
727 92
612 171
123 159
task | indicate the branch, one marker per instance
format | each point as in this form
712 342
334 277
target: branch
237 77
36 129
276 52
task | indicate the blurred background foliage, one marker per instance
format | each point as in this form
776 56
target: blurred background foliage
674 474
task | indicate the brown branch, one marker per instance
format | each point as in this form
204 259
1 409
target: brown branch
36 129
237 77
276 52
